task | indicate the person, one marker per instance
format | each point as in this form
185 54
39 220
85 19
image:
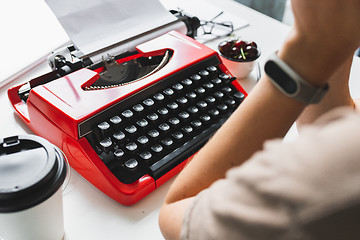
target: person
245 183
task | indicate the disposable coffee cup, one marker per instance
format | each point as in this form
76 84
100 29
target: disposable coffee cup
32 172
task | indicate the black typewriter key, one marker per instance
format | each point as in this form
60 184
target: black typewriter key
227 89
163 111
195 77
131 146
205 118
222 107
167 142
127 114
142 123
208 85
187 82
104 128
184 115
157 148
178 135
210 99
153 117
172 105
202 104
154 133
159 96
193 110
164 127
148 102
178 87
131 129
188 129
106 145
174 121
196 123
138 108
200 90
239 96
131 164
182 100
218 94
119 136
146 155
214 112
169 92
191 95
143 140
204 73
119 153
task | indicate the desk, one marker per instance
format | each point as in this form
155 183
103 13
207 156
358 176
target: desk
88 213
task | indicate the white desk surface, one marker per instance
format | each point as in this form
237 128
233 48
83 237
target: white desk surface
88 213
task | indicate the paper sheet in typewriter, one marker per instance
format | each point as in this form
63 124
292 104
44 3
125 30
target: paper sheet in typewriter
93 25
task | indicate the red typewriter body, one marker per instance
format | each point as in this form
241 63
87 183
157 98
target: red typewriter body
60 111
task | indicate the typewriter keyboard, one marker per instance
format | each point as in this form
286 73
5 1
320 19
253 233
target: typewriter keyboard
156 129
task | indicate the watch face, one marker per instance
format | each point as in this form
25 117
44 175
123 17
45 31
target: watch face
278 75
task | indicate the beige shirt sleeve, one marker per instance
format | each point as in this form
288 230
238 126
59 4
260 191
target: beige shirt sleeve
306 189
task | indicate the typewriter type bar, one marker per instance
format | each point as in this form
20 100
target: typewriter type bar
130 136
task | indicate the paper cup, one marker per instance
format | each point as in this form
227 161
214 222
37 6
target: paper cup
32 172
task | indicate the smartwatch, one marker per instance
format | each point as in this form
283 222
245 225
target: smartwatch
291 84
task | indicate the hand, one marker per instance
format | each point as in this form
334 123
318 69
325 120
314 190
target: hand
325 34
333 23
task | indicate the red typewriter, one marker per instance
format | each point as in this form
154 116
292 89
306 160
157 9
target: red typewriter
129 124
131 120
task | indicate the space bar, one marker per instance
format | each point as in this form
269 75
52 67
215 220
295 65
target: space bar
185 151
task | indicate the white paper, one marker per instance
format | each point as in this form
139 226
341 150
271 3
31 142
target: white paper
95 24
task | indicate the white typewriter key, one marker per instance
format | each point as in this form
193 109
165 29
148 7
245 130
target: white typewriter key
182 100
167 142
119 136
187 82
154 133
153 116
127 113
159 96
146 155
204 73
178 87
119 153
174 121
131 146
164 127
187 129
131 129
143 140
148 102
131 163
196 123
195 77
106 143
115 120
138 108
212 69
157 148
104 126
163 111
169 91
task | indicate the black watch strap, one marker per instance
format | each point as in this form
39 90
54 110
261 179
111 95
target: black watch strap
290 83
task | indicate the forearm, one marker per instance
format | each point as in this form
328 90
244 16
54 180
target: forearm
265 114
338 96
